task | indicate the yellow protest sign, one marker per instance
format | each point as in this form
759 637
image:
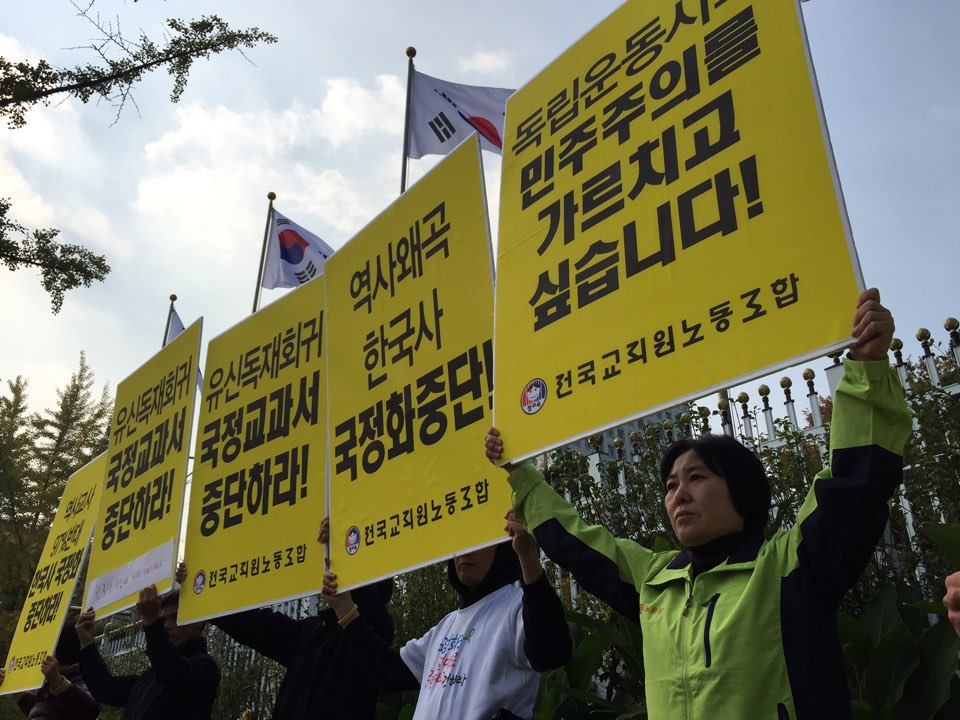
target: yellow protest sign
55 579
138 524
257 495
410 303
671 220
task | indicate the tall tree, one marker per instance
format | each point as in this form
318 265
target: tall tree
121 62
16 450
67 437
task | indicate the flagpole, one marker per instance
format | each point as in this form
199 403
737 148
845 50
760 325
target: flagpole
271 196
166 329
411 54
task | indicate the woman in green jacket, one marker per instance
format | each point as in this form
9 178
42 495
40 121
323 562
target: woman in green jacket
735 625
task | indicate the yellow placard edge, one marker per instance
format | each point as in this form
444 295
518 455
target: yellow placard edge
700 393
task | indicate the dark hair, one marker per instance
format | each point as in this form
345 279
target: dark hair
738 466
171 598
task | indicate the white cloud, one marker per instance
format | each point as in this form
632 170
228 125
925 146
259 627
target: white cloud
387 170
202 217
221 134
52 153
53 136
90 227
485 62
217 158
330 195
48 346
28 207
349 110
14 50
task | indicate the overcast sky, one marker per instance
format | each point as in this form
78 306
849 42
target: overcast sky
175 196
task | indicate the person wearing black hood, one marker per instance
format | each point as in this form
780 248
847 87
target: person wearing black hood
319 681
483 660
64 694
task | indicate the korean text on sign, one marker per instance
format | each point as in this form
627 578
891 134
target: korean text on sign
51 589
410 303
668 202
258 484
142 500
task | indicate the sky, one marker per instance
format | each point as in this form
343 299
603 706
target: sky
175 194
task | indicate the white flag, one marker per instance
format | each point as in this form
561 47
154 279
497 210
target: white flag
174 326
443 113
294 255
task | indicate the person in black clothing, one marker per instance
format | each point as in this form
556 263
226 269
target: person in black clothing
319 680
483 660
182 679
63 695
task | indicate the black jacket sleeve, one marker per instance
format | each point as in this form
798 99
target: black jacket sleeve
386 667
105 687
26 702
547 642
845 512
195 677
79 704
270 633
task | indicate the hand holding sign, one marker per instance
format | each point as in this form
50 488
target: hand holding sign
148 605
85 628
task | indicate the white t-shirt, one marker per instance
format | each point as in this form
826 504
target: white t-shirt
472 663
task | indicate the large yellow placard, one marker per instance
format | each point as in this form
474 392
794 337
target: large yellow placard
55 579
138 522
671 221
259 473
410 303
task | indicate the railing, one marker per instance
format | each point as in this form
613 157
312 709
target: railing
738 419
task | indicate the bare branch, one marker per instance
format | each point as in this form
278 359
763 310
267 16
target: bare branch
122 63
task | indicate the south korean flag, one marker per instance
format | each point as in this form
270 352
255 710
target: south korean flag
294 255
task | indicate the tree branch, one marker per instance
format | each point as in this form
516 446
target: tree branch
23 84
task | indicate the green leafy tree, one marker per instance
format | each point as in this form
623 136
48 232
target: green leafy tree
120 63
68 436
16 441
62 266
420 599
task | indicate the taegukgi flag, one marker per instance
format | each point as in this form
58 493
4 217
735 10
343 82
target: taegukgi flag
294 255
443 113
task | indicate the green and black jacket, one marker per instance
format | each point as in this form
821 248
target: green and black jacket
756 636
